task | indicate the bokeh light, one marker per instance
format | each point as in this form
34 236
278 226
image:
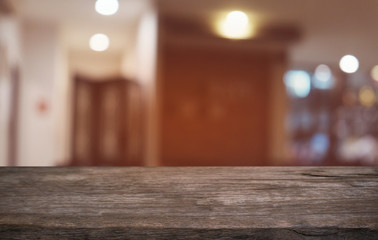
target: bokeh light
236 25
107 7
349 64
374 73
298 83
323 78
320 143
99 42
367 96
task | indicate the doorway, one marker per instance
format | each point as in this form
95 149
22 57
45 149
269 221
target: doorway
107 122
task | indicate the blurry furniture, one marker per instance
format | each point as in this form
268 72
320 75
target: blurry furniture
335 125
107 122
189 203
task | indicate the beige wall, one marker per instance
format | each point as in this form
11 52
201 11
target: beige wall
96 65
41 78
62 103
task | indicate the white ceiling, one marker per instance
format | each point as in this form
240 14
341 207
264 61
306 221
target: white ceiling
80 11
78 20
331 28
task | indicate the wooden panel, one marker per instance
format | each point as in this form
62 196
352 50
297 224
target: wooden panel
215 106
189 203
107 123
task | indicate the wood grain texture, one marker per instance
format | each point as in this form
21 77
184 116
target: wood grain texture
189 203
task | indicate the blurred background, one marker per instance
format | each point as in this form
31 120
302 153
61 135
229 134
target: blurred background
188 83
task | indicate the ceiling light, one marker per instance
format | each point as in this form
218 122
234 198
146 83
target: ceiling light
99 42
235 25
107 7
349 64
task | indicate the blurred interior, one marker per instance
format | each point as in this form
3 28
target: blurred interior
188 83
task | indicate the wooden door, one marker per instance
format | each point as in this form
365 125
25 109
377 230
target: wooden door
107 123
215 106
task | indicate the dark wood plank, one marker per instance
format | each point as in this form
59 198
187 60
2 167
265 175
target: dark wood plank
189 203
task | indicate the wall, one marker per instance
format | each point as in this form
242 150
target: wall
61 100
95 65
140 64
38 144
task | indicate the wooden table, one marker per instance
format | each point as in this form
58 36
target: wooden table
189 203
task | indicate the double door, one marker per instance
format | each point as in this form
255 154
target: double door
107 123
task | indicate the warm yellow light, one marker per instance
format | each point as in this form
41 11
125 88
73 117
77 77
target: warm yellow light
235 25
374 73
367 96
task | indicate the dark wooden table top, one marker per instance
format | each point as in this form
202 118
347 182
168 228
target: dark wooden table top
189 203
